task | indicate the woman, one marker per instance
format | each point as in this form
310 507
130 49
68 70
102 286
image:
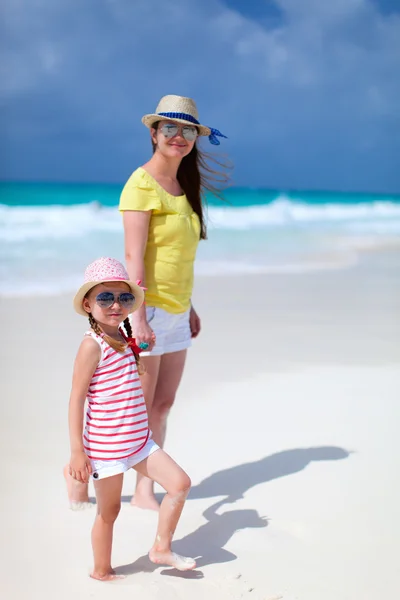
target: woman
162 207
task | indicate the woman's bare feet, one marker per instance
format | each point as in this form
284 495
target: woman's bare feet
110 575
78 494
182 563
145 502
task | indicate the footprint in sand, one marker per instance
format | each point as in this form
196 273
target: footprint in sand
80 505
240 589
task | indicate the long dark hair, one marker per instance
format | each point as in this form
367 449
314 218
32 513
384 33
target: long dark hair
196 177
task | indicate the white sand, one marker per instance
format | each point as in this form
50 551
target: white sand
288 411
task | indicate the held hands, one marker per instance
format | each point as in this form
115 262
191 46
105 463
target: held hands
144 334
79 467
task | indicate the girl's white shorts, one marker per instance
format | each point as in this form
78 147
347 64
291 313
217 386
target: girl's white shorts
108 468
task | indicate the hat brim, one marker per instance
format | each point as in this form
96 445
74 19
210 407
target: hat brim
149 120
136 290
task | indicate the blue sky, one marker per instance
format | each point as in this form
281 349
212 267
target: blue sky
306 90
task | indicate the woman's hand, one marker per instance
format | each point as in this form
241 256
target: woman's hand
194 322
143 333
80 467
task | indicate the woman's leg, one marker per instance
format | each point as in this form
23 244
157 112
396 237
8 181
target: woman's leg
78 493
160 467
169 378
144 496
160 382
108 496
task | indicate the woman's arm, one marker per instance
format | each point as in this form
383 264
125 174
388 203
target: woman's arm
136 228
86 362
194 322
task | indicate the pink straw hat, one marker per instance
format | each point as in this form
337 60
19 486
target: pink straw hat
104 270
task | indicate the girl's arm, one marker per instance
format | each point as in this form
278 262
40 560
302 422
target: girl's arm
86 362
136 229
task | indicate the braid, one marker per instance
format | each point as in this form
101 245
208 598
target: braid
128 329
115 345
95 326
118 346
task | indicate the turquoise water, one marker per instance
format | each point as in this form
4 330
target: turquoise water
48 194
49 232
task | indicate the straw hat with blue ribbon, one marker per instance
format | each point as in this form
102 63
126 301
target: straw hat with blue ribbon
182 110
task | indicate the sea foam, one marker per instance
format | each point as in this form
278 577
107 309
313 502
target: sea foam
44 249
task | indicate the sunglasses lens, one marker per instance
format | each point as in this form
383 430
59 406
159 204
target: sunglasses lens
127 299
189 133
169 130
105 299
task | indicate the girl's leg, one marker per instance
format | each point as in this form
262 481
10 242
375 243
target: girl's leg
161 383
163 469
108 495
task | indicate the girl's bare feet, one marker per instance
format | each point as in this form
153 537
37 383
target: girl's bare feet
111 575
182 563
78 494
145 502
163 469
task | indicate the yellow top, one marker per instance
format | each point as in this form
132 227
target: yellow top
174 233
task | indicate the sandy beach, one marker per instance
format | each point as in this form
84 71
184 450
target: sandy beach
287 422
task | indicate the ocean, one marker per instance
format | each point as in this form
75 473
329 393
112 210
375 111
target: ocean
50 232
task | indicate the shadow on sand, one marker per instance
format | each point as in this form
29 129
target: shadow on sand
234 482
207 542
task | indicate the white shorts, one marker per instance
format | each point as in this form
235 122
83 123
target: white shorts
172 331
108 468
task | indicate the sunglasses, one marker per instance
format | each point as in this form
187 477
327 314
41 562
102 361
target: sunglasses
107 299
170 130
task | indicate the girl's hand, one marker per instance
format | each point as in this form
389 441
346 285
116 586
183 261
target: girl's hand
194 322
80 467
143 333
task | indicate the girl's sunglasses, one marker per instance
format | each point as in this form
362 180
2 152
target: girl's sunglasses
107 299
170 130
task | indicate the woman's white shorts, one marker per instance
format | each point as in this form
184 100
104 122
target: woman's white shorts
172 331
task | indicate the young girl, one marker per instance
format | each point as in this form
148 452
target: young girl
116 434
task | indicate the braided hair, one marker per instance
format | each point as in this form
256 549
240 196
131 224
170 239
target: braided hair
128 330
115 344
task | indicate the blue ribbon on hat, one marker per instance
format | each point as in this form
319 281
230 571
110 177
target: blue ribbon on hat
214 135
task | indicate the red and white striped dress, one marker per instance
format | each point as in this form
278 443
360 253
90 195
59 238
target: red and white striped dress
116 420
